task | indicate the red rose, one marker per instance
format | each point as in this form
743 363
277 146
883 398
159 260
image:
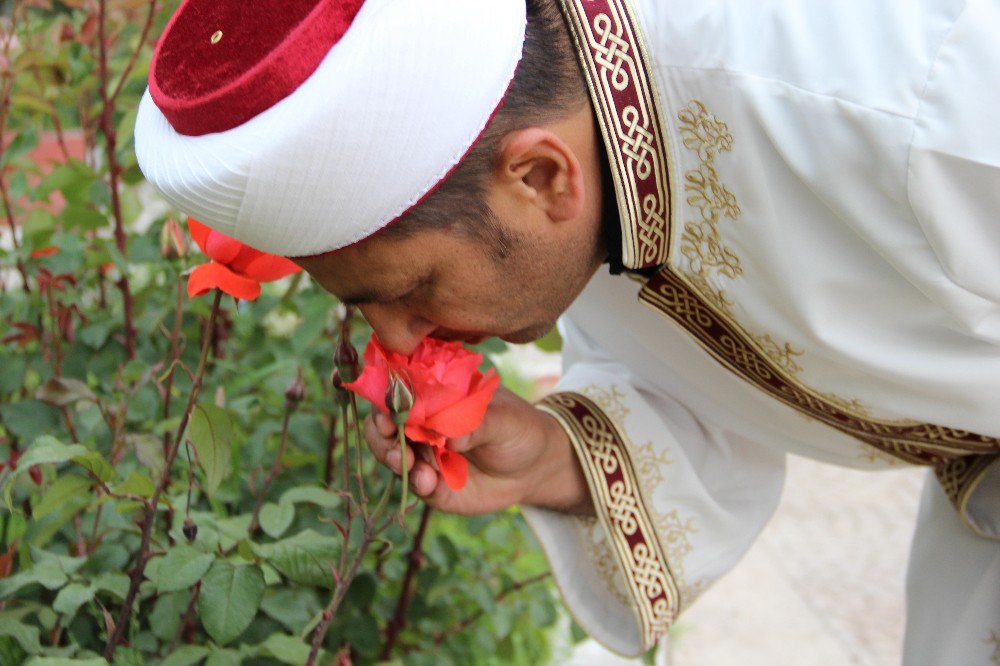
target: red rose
236 269
450 395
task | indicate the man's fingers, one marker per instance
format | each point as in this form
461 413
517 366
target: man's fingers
384 425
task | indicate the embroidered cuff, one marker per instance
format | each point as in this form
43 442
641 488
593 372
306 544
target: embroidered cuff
972 483
628 525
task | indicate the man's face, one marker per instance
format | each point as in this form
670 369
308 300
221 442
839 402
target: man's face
448 285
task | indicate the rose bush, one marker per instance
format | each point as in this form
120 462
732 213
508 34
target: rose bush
450 395
237 557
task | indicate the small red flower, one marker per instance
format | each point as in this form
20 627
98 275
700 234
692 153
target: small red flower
450 395
236 269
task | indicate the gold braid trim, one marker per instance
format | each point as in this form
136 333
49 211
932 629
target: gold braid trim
960 478
614 486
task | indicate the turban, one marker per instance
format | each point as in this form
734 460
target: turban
303 126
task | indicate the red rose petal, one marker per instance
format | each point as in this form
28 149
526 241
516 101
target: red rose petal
454 467
213 275
374 379
221 247
464 416
199 233
269 267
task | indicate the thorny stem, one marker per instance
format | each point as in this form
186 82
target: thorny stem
344 579
147 525
415 559
331 446
358 438
114 169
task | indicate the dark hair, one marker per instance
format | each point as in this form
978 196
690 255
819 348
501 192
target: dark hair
547 86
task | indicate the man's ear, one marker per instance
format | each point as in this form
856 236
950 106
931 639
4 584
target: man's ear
537 167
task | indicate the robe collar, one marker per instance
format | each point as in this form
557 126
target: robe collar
609 45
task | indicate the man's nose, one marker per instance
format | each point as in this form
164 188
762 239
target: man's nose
399 331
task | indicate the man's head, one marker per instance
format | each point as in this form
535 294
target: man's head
506 242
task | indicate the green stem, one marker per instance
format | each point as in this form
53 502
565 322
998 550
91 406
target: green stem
403 471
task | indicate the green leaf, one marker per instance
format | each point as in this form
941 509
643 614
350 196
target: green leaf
211 432
137 483
48 449
186 655
29 418
148 450
95 463
113 582
66 661
70 598
276 518
229 598
311 495
550 342
71 490
166 616
62 391
25 635
304 558
182 567
224 658
286 649
129 656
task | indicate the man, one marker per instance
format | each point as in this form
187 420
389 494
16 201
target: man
797 204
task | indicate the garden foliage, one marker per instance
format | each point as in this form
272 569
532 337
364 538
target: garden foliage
140 526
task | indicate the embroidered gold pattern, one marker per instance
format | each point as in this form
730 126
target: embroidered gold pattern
959 478
611 54
613 485
694 298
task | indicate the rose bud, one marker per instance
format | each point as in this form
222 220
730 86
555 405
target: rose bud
190 530
173 243
296 391
342 395
345 358
398 399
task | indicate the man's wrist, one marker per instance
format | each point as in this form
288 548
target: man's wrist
559 482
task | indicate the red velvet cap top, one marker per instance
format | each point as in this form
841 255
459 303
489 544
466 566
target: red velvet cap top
219 63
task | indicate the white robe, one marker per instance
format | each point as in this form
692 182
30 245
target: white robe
822 181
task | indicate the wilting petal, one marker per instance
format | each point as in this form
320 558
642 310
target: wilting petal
213 275
454 467
419 433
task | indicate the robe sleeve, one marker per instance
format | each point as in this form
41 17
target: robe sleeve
678 501
954 191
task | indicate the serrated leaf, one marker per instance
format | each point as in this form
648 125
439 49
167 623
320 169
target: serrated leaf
166 616
25 635
71 597
229 598
62 391
137 483
304 558
276 518
30 418
211 432
182 567
70 490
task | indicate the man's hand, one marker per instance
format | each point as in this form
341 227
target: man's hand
519 455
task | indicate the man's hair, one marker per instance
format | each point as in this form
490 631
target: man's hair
547 86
